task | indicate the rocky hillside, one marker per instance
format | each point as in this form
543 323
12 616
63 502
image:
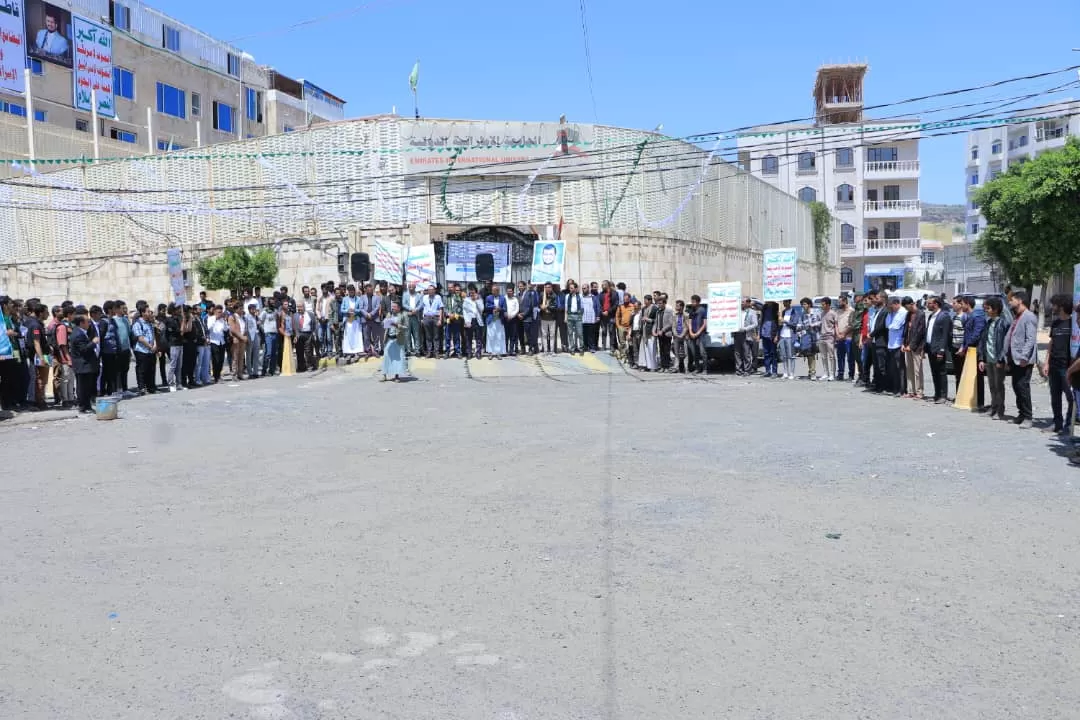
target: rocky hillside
950 214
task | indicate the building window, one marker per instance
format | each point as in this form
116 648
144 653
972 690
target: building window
994 175
120 16
892 230
123 135
287 128
223 117
974 228
170 38
845 194
808 194
928 257
872 233
881 154
40 115
974 179
847 234
974 205
847 276
807 162
35 66
254 105
770 165
13 108
891 193
974 153
1022 141
995 149
196 105
845 157
123 81
171 101
234 64
82 125
166 145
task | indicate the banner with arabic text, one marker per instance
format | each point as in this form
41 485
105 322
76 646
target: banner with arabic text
93 66
12 47
781 267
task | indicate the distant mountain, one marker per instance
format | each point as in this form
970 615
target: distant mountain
951 214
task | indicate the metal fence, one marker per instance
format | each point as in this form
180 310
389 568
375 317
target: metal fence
341 176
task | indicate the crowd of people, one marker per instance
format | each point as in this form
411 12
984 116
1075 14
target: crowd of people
887 343
878 341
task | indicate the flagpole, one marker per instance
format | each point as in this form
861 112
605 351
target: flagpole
416 103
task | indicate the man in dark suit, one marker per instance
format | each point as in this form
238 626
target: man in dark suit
529 308
879 336
938 342
85 363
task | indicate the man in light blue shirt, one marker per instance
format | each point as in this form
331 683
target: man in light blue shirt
431 308
895 370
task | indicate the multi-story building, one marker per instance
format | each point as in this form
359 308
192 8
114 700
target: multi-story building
865 171
131 75
992 151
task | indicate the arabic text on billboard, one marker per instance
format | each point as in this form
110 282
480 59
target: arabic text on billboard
432 146
725 300
93 66
12 47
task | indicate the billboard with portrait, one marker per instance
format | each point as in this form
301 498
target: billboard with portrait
547 265
48 32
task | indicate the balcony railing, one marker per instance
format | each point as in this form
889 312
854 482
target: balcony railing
893 244
893 166
806 170
892 206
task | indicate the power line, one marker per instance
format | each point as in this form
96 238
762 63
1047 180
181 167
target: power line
588 58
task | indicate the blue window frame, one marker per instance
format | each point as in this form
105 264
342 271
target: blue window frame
171 101
123 81
252 103
170 38
223 117
123 135
13 108
35 66
164 146
287 128
974 179
40 115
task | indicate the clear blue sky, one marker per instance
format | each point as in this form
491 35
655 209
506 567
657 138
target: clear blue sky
693 66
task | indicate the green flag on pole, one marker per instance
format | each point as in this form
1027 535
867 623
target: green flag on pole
414 76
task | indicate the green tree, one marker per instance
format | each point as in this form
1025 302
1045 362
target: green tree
1033 217
237 270
822 219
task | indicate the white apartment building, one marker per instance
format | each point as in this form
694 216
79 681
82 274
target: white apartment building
866 172
992 151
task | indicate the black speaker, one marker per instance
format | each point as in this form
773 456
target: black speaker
361 267
485 267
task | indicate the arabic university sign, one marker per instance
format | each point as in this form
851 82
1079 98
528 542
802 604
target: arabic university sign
725 301
432 146
780 271
12 47
93 66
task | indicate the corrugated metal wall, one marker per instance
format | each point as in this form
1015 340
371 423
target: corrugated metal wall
315 182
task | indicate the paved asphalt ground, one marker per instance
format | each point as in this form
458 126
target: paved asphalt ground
556 541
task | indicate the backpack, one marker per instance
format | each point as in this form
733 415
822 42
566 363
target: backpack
50 338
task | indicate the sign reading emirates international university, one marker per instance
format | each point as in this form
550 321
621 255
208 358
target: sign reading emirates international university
491 148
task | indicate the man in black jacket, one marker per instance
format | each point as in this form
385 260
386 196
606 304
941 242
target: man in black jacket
879 336
938 346
84 360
